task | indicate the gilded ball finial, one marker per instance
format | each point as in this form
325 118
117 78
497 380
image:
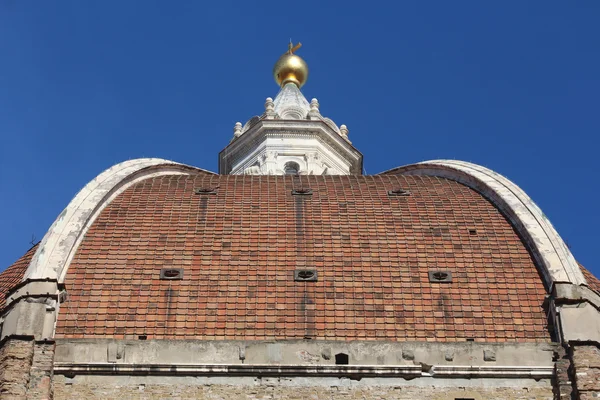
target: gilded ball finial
290 68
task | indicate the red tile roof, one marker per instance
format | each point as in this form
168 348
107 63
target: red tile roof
14 274
593 282
238 249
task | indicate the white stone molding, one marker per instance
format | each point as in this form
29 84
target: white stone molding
253 170
552 256
251 122
407 371
332 125
57 248
290 138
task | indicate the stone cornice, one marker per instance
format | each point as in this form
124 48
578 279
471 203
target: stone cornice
298 150
407 371
290 128
575 313
33 288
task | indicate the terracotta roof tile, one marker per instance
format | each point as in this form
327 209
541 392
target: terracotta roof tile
239 248
14 274
593 282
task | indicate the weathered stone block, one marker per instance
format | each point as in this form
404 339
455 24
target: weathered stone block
408 354
489 355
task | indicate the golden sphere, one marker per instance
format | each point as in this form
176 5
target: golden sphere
290 68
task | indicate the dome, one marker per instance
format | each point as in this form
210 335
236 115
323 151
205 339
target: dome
180 271
238 248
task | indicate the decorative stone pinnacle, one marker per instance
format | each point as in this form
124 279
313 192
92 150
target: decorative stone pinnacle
314 106
237 129
270 108
314 113
269 105
344 130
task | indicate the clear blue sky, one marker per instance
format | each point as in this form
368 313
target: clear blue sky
511 85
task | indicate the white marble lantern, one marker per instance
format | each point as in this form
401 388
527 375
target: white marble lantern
290 137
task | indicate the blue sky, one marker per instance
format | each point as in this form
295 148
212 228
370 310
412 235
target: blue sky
513 86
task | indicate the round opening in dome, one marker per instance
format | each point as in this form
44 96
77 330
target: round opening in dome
291 168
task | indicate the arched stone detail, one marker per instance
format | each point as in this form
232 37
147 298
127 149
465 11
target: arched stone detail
57 248
551 254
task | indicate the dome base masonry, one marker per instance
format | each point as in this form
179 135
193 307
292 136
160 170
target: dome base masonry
290 274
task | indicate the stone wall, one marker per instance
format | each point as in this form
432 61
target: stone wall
15 362
26 369
586 365
171 388
26 374
301 369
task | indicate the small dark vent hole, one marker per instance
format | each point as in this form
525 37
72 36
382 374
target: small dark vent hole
306 275
470 340
302 192
205 191
143 337
440 276
398 192
341 359
171 274
472 232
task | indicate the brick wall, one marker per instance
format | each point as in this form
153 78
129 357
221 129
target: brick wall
563 371
586 365
26 370
40 377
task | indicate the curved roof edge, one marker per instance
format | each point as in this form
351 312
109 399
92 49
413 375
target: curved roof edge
60 243
13 275
549 250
